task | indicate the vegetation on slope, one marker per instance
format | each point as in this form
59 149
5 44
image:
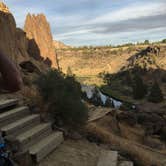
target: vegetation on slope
63 96
155 95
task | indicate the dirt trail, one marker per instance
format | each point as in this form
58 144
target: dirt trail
73 153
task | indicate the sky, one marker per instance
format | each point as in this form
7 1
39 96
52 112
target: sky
97 22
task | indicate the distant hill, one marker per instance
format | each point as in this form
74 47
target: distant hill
60 45
90 61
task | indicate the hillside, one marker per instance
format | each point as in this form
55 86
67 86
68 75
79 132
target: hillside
59 45
101 124
89 62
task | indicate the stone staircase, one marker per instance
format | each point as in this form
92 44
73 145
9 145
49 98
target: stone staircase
36 137
25 128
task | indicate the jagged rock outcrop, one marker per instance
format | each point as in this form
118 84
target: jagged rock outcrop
14 53
40 38
146 58
4 8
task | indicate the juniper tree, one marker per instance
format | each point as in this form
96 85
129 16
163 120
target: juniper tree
155 94
139 88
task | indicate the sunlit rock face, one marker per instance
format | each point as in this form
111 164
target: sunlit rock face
13 42
14 52
39 34
4 8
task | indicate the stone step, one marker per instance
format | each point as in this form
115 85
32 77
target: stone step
33 135
46 145
108 158
125 163
20 125
13 115
8 103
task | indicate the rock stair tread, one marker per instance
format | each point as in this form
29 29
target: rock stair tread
28 136
36 148
108 158
19 122
8 102
32 131
13 111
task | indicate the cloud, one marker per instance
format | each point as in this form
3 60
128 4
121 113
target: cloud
133 11
135 18
80 22
145 23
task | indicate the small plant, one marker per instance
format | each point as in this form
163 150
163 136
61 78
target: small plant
139 88
164 41
146 42
62 94
155 95
69 71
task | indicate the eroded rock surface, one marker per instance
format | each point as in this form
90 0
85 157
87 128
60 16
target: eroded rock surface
40 38
14 53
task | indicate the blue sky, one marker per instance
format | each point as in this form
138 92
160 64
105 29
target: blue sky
97 22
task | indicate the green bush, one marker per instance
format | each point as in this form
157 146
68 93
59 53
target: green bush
163 134
69 71
139 88
155 95
63 96
164 41
146 42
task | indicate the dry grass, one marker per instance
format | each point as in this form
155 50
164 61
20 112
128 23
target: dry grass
143 154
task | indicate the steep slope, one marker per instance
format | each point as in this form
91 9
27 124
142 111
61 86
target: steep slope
82 61
89 62
40 38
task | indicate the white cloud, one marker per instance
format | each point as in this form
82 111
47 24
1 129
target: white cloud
74 27
132 12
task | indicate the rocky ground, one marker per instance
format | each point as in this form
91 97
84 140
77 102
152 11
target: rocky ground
81 153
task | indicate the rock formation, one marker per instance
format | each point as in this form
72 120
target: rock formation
40 38
12 79
12 40
14 53
4 8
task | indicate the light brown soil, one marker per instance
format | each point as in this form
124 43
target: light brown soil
73 153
